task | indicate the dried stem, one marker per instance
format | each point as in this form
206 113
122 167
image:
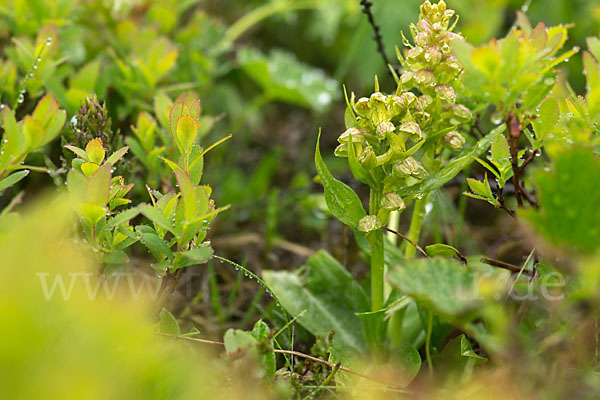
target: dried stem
366 8
297 354
408 240
500 194
514 131
504 265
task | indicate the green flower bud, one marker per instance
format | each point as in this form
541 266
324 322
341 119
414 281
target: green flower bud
412 129
433 55
425 78
414 54
383 128
367 158
357 135
378 108
423 102
376 98
393 202
341 151
408 79
422 39
445 93
397 105
453 140
409 97
450 63
458 113
368 223
362 106
410 167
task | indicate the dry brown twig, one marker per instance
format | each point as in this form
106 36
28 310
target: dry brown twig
297 354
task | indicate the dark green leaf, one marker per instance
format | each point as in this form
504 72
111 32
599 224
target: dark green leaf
343 203
442 284
329 295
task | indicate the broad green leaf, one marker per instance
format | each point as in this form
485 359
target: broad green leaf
12 179
177 111
500 150
407 363
14 143
341 200
443 285
95 151
34 133
92 212
45 110
328 293
167 323
189 195
76 185
484 144
187 130
98 186
88 168
547 118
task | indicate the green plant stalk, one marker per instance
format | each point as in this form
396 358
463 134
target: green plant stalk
415 226
376 244
428 343
260 13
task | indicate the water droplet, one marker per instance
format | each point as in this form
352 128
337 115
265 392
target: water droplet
496 118
21 98
49 41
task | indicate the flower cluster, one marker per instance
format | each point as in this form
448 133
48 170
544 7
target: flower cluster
387 130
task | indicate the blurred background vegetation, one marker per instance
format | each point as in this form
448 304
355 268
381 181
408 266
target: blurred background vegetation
270 73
